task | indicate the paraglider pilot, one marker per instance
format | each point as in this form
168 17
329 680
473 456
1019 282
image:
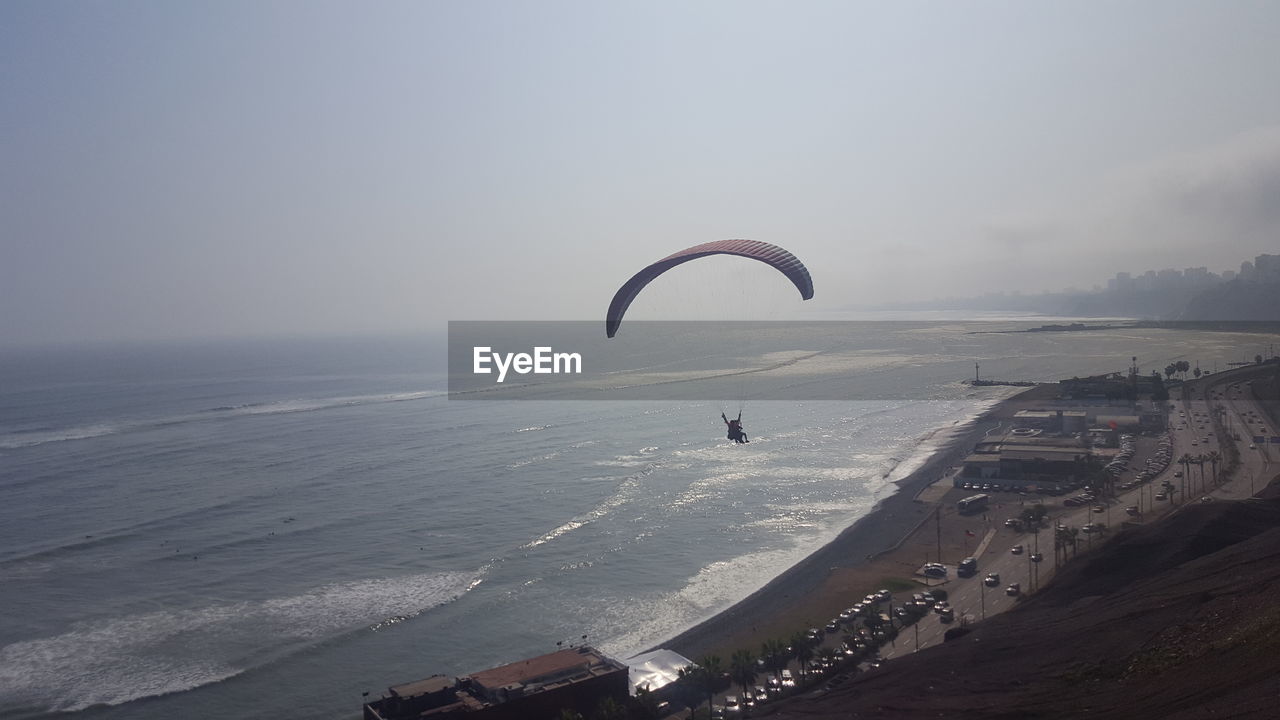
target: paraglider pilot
735 428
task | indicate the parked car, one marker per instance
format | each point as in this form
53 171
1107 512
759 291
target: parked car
1013 589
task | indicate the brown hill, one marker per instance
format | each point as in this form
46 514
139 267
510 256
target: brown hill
1179 619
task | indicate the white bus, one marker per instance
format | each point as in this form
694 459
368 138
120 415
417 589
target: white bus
973 504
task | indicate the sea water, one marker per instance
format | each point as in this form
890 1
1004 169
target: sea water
265 529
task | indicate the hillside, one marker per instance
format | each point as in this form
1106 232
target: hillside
1175 620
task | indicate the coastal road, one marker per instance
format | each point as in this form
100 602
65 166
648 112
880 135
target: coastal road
1191 431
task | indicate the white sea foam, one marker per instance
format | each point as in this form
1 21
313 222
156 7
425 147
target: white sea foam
26 439
653 619
116 660
524 462
13 440
625 493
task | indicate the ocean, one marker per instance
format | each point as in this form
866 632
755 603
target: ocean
271 528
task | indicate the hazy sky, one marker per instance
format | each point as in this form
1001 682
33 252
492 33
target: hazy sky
243 168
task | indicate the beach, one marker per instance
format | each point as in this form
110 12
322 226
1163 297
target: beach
890 543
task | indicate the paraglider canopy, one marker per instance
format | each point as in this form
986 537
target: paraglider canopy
767 253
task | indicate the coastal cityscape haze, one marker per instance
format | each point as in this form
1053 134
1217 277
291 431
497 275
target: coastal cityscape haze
192 170
623 361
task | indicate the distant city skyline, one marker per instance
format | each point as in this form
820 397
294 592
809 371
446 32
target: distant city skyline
1263 268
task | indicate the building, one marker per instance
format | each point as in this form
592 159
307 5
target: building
1267 268
1247 272
1058 421
657 670
535 689
1020 459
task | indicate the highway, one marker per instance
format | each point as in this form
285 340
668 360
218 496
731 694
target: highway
1191 431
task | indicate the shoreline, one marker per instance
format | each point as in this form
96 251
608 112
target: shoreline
805 593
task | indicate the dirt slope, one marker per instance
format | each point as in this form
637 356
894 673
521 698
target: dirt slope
1176 620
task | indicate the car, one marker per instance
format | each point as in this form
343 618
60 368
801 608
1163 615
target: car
833 626
788 680
1099 509
1252 446
1132 510
1013 589
1036 557
884 595
947 615
762 695
935 571
774 683
1014 523
1016 549
1161 496
992 580
731 704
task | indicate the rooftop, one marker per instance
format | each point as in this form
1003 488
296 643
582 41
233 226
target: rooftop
435 683
555 666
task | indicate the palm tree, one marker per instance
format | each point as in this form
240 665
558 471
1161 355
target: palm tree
1032 516
829 656
1062 537
802 649
742 667
1200 461
1169 370
1213 458
608 709
646 705
774 654
704 676
1185 461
